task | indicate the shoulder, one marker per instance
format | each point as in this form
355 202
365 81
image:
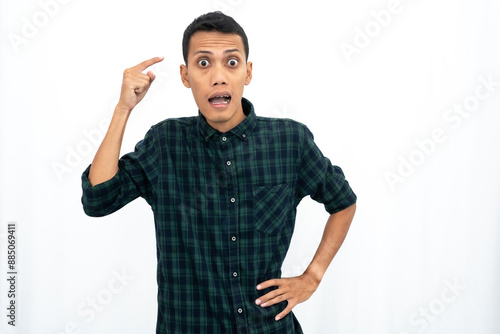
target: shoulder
172 127
284 126
181 122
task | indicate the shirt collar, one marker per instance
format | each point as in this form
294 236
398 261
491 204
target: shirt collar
242 130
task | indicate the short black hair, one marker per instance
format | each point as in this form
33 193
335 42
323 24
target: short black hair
213 21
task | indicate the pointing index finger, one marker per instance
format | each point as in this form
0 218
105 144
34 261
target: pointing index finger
145 64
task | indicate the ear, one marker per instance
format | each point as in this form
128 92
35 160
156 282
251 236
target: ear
184 76
249 73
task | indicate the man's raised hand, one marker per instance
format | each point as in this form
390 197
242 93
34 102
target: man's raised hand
136 84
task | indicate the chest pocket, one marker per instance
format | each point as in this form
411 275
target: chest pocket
271 207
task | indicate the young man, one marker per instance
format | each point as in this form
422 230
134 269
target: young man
224 187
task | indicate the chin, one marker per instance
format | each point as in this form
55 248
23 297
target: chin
218 119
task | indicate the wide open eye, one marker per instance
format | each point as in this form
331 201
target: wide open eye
203 63
233 62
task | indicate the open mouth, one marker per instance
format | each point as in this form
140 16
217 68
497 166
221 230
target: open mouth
220 100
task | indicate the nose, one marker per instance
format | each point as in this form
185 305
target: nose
218 75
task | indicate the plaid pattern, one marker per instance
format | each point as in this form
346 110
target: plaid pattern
224 206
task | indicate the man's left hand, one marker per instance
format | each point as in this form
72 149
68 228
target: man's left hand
294 290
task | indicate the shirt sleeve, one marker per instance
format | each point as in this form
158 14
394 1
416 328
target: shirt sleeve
321 180
136 176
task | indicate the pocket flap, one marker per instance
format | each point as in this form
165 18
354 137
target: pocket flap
271 207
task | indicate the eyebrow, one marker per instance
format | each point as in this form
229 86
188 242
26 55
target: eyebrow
210 52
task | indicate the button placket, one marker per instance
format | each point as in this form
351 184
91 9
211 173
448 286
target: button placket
231 191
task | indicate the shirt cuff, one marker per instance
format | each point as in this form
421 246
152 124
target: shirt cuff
349 198
344 197
98 199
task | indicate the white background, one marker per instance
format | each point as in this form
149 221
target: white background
422 252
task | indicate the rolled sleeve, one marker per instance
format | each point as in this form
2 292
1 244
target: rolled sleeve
321 180
99 200
137 172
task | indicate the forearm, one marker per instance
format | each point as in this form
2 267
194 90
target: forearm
334 234
135 85
298 289
105 163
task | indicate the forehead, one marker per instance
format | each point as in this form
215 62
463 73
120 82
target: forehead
215 41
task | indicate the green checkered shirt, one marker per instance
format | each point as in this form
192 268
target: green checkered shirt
224 208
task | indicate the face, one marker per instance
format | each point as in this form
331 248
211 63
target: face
217 72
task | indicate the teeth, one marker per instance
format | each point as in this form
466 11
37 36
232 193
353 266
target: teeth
225 102
220 99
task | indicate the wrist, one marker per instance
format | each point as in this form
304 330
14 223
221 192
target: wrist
121 114
123 110
315 273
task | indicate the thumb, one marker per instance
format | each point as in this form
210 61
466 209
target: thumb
151 75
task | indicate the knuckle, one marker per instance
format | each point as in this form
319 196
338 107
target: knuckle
127 76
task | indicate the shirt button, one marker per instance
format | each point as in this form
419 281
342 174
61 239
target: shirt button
235 274
244 135
228 163
233 238
224 138
233 200
240 310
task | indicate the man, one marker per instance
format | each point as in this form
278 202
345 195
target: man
224 187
